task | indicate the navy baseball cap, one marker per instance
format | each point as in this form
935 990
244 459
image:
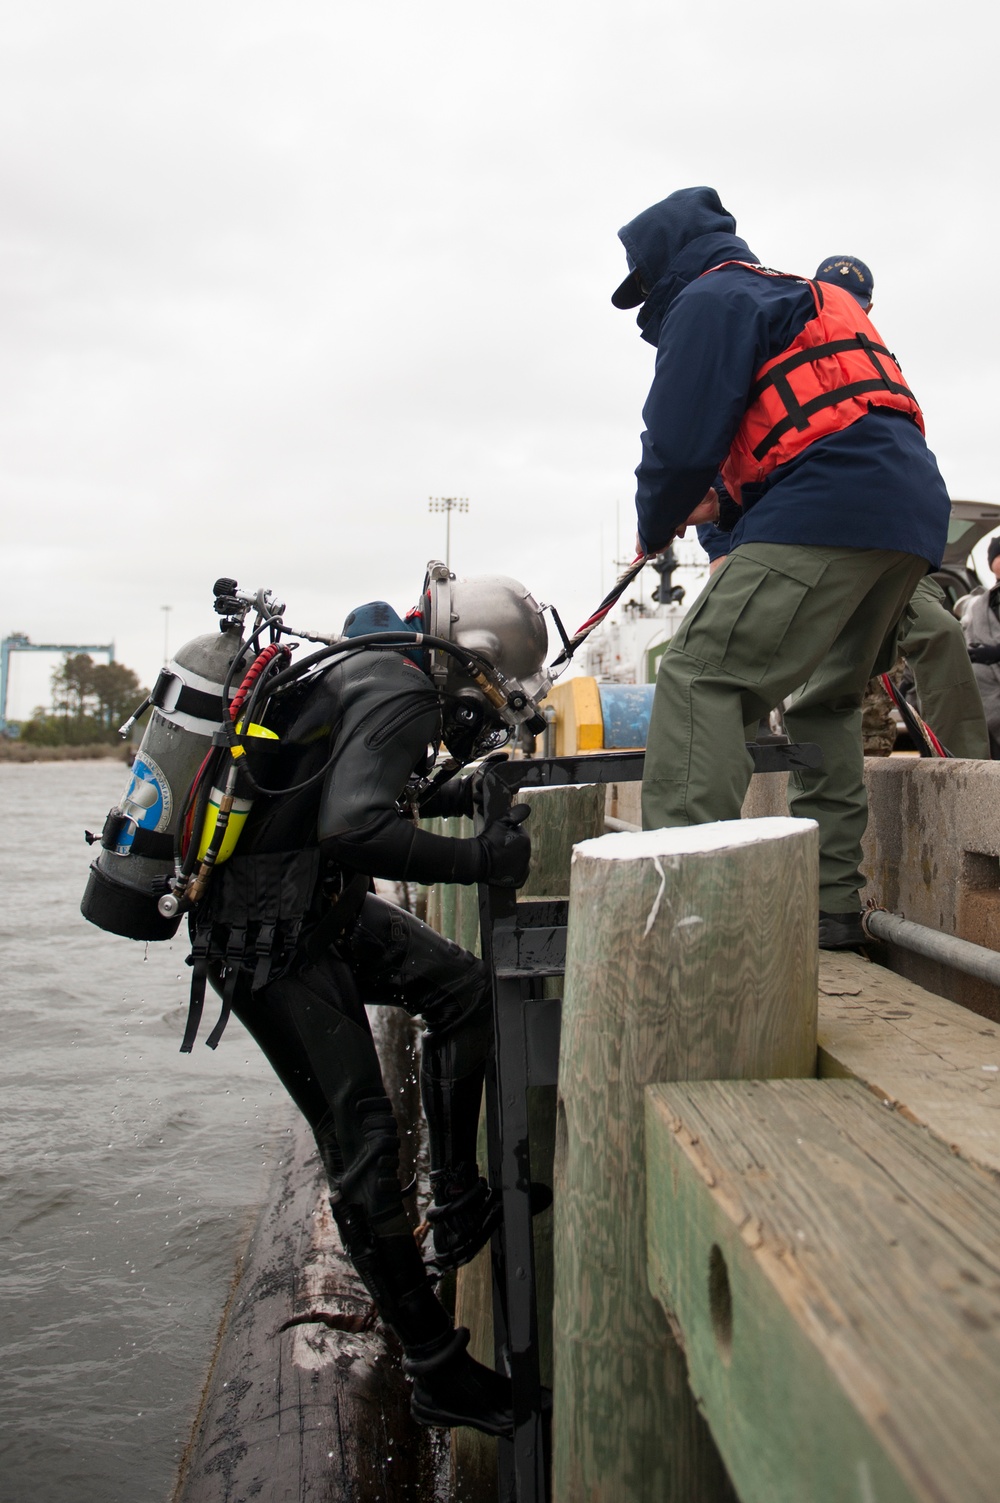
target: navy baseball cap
631 292
849 272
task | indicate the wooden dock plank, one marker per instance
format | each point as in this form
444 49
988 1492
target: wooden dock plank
933 1060
834 1271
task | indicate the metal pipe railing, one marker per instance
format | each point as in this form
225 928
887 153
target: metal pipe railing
960 954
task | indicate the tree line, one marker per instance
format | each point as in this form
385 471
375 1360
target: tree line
89 702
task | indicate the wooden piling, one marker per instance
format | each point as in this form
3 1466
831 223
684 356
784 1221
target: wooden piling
692 955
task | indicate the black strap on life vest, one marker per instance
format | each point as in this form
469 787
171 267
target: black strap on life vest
799 413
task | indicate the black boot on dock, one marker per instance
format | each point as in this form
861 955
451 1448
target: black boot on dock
450 1388
841 931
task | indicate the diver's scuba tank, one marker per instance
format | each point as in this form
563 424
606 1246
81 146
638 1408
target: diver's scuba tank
136 860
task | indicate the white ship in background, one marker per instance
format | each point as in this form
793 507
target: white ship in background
626 649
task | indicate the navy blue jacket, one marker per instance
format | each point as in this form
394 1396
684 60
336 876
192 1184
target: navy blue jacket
874 485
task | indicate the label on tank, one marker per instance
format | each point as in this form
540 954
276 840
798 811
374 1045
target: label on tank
147 802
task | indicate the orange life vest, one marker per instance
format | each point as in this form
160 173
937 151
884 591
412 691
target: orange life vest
835 371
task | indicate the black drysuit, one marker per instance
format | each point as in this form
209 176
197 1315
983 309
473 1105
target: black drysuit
291 933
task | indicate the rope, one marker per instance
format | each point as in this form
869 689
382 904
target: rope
918 728
617 590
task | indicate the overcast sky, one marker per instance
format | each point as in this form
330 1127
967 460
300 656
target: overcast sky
274 274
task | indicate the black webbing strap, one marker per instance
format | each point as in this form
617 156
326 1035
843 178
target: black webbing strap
154 843
190 701
235 952
798 414
264 951
196 1000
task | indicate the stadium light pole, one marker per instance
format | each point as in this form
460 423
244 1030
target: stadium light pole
447 504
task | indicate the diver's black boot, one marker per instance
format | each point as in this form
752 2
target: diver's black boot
450 1388
463 1218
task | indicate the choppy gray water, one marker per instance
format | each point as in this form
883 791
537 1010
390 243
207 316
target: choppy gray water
128 1172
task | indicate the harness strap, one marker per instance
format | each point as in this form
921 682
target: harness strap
155 843
235 954
228 991
171 688
264 951
196 999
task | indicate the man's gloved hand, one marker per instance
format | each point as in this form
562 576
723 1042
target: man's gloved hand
984 652
507 848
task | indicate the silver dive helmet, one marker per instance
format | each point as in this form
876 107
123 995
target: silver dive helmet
499 620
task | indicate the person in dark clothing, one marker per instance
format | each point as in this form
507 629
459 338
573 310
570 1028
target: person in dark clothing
979 613
842 511
928 636
292 934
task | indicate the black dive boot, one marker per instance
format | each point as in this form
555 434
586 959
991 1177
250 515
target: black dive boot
464 1216
451 1388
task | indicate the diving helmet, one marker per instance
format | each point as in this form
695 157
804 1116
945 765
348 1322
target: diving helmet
497 620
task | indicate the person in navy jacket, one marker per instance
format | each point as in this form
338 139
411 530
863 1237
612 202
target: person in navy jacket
844 514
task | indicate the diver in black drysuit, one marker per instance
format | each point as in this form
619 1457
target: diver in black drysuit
292 936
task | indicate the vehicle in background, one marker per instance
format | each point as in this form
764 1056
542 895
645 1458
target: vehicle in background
971 521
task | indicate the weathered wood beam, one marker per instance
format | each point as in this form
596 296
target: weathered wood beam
929 1058
692 954
835 1272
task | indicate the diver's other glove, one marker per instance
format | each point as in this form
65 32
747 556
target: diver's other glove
507 848
984 652
461 795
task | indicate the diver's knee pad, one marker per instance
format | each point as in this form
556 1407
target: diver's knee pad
370 1176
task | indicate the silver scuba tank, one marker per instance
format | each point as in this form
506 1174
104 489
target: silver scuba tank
137 844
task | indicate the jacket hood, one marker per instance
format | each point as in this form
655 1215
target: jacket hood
673 242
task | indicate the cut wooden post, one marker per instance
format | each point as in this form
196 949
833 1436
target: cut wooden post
835 1273
560 818
692 954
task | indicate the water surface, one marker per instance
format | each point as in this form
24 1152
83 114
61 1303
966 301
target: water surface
129 1173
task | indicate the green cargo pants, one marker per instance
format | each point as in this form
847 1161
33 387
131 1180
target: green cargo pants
933 643
775 617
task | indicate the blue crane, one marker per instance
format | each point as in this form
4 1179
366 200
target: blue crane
18 642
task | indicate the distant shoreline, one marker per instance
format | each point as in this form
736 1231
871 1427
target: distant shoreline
22 751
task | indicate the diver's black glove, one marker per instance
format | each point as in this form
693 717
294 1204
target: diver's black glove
507 848
984 652
461 795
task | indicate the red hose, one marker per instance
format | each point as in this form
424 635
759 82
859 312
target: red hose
260 662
